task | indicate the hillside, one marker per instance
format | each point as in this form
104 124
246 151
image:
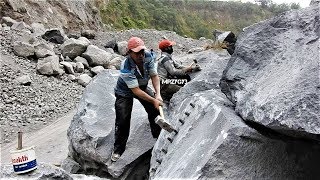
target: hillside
191 18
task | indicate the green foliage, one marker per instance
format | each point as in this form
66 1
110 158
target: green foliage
191 18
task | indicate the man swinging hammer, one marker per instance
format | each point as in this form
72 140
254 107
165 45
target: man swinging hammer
136 70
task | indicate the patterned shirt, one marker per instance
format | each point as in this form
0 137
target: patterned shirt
131 77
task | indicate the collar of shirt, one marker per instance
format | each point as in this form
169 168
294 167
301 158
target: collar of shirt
167 54
134 66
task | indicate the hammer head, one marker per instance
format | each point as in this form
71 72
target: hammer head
195 61
163 124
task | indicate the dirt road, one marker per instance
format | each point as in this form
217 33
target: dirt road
51 142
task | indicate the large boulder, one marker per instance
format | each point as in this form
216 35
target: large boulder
273 76
91 133
74 47
96 56
213 142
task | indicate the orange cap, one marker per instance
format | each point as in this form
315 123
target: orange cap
166 43
136 44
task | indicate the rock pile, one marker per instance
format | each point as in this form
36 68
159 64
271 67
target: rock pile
40 82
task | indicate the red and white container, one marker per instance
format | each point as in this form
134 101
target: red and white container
24 160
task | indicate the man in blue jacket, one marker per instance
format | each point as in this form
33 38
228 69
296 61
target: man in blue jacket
135 73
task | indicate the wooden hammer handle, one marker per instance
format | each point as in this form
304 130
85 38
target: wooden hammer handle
161 111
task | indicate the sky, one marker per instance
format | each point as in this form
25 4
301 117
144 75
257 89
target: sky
303 3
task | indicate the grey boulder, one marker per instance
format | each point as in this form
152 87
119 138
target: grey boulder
49 66
79 67
83 61
24 80
8 21
96 56
38 29
116 62
90 34
21 26
68 66
273 76
23 49
122 47
213 142
54 35
43 50
84 79
196 49
96 70
91 133
74 47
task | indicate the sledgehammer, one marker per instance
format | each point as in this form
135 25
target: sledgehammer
194 62
163 123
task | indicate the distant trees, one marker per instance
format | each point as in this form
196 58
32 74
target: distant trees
264 3
192 18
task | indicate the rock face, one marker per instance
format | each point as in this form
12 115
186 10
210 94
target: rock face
214 143
273 76
91 133
68 14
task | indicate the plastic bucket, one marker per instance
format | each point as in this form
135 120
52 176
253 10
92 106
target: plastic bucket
24 160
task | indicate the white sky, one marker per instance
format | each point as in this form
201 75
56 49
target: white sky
303 3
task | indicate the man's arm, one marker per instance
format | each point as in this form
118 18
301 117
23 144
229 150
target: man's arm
177 65
176 72
156 85
143 95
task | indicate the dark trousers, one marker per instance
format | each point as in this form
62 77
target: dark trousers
123 107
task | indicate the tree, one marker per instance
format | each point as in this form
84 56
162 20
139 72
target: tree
295 6
264 3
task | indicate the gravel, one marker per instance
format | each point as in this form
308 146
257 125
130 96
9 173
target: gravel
29 108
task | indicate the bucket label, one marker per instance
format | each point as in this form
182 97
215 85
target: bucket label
25 166
24 160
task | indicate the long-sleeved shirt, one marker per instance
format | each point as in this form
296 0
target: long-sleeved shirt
169 68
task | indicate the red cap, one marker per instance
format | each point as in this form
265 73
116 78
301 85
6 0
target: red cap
166 43
136 44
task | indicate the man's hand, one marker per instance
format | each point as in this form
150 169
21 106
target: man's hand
158 96
197 68
188 69
157 103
